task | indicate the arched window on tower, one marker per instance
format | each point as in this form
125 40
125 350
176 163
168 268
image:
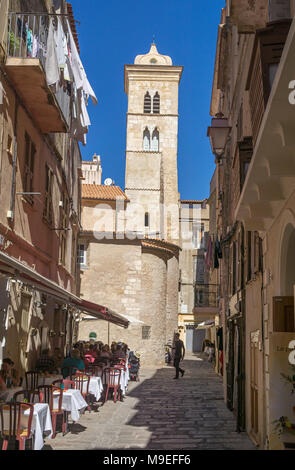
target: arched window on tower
147 107
155 141
156 103
146 140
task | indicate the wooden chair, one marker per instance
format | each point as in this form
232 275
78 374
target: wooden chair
82 384
27 396
48 396
32 379
68 384
112 379
15 424
57 382
94 371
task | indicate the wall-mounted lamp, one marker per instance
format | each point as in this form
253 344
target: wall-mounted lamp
218 134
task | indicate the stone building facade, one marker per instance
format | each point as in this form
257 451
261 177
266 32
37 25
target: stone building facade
253 41
131 238
40 185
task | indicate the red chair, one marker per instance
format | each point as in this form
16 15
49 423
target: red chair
57 383
112 379
15 424
48 396
68 384
82 384
94 371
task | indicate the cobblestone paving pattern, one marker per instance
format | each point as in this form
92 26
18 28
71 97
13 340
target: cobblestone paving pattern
160 413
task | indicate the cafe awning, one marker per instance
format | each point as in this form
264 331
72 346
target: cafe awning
12 267
205 325
103 313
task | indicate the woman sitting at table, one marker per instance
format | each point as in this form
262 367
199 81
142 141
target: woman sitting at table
58 358
74 361
9 375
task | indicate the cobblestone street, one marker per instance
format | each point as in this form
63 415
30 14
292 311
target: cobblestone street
161 413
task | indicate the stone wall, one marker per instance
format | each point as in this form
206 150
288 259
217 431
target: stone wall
140 284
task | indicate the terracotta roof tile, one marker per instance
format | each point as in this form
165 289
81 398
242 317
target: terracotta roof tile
102 192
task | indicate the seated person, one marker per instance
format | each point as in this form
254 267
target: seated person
58 358
74 361
9 375
119 353
45 362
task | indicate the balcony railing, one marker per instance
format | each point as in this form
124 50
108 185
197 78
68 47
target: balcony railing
27 41
206 295
268 47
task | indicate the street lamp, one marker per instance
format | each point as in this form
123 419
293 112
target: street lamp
218 134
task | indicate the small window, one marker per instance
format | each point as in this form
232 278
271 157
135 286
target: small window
156 104
81 255
147 107
146 140
146 219
146 332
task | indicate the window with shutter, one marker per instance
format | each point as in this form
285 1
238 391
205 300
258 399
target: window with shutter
47 213
147 107
156 103
28 178
64 222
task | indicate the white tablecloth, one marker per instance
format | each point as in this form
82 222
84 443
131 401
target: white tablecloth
73 402
41 423
95 387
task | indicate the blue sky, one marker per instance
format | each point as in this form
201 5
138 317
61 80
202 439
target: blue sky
111 34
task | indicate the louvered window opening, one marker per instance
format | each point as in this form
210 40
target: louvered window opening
156 104
147 108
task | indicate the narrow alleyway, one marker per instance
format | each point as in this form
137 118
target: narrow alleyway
161 413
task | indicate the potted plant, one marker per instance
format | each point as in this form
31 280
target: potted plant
283 426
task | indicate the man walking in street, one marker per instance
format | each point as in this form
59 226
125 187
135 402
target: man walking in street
179 352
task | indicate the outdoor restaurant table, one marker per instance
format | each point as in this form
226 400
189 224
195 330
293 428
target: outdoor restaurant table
95 387
72 401
41 423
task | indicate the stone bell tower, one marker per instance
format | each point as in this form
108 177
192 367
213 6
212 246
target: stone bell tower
151 181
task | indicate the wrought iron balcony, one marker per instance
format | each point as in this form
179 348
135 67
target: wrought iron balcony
206 295
27 45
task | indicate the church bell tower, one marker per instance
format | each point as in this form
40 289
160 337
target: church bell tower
151 181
